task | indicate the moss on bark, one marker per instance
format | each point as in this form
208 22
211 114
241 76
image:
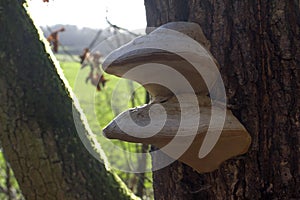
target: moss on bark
37 129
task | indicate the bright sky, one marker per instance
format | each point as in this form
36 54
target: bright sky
128 14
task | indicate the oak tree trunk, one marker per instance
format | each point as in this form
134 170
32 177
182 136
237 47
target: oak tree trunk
257 44
37 129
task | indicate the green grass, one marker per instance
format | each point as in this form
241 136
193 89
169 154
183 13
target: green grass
101 107
7 175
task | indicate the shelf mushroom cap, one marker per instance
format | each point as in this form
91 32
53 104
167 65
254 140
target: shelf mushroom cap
174 44
179 118
143 125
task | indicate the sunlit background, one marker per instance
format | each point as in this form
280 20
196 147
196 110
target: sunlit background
129 14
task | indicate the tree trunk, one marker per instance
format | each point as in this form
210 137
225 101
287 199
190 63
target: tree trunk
37 129
257 44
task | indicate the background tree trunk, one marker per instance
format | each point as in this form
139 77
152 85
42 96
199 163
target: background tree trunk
37 129
257 44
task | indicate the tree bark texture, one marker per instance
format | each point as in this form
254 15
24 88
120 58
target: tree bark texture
37 129
257 44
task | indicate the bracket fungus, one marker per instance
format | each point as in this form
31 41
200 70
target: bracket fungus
187 117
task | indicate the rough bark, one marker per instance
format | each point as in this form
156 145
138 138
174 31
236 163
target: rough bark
257 44
37 129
